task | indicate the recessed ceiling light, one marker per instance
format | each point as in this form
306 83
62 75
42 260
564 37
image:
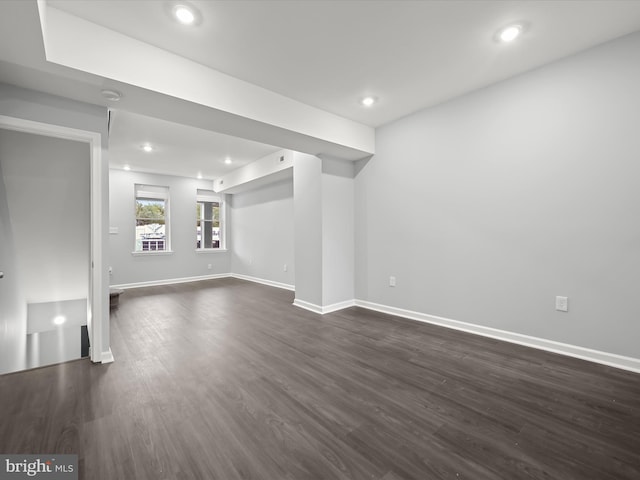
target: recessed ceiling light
147 148
59 320
184 14
227 161
368 101
510 33
111 95
127 168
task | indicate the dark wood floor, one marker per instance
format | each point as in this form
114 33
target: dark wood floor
225 379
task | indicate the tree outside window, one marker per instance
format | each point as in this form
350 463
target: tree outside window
151 219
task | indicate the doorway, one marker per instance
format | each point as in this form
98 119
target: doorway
51 293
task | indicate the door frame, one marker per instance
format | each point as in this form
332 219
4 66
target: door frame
98 292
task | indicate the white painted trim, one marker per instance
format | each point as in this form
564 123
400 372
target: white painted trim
326 309
97 292
170 281
610 359
312 307
263 281
151 253
107 357
338 306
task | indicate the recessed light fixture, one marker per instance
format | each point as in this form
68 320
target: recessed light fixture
186 15
147 147
227 161
127 168
509 33
59 320
368 101
111 95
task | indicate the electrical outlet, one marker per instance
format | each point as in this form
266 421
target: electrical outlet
562 304
392 281
110 270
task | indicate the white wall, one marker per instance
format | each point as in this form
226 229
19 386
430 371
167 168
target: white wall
487 207
261 226
337 232
13 308
185 261
47 189
307 215
266 170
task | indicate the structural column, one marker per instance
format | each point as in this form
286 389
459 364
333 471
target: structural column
324 233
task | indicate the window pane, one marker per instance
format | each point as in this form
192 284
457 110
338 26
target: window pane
150 225
149 209
208 225
216 215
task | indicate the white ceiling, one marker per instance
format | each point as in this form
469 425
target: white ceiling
327 54
177 149
410 54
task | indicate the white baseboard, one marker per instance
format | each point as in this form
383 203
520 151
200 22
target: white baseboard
170 281
107 357
263 281
605 358
312 307
338 306
326 309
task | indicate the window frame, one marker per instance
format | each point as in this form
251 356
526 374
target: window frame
153 192
203 196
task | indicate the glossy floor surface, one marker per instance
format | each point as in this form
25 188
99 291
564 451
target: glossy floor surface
225 379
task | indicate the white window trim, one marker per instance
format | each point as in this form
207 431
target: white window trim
147 253
154 192
210 196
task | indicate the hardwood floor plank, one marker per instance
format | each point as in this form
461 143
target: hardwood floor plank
225 379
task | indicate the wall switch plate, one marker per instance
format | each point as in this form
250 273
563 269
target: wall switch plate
392 281
562 304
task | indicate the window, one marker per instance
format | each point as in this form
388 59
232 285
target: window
152 218
209 220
